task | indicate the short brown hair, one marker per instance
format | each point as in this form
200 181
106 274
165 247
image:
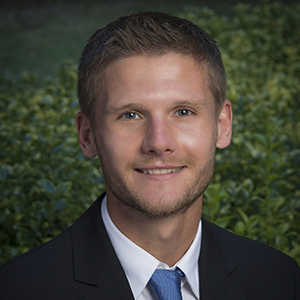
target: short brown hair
147 33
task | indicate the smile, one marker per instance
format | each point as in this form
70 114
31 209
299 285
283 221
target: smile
160 171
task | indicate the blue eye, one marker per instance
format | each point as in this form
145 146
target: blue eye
131 116
183 112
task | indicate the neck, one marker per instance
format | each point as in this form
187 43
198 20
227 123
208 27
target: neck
165 238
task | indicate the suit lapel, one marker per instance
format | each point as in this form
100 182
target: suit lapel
215 267
95 261
115 287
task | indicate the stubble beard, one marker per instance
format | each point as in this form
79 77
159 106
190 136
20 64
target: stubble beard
128 197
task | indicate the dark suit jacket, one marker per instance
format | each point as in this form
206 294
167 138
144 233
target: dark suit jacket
81 263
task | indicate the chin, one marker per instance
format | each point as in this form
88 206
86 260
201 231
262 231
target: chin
160 207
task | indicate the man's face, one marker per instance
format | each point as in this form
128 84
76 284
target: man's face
155 133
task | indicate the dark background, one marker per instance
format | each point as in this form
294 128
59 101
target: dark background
37 35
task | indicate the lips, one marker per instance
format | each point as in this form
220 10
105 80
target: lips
160 171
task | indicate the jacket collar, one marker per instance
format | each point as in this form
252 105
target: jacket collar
216 266
94 259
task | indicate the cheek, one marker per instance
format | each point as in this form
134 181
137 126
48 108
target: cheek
199 139
117 147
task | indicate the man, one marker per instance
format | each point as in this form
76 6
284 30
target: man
152 92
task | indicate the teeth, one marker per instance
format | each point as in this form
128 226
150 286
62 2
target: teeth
161 171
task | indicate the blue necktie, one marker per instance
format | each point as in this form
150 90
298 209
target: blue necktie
166 284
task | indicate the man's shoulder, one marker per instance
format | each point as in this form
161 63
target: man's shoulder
249 262
46 271
42 255
242 248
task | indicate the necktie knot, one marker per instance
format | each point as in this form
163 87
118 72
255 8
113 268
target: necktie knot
166 284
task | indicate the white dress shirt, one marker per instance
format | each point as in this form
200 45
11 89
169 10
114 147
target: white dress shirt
139 265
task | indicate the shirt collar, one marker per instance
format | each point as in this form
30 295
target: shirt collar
139 265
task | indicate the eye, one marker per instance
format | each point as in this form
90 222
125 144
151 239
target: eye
183 112
131 116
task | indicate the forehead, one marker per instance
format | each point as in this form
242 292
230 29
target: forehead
167 64
140 78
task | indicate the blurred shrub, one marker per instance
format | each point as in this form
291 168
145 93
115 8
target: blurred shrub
46 183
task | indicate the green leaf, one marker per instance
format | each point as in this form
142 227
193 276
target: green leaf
47 185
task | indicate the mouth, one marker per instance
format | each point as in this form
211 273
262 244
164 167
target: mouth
159 171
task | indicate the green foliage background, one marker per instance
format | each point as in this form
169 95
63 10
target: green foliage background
46 183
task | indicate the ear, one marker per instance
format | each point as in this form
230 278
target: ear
85 135
224 125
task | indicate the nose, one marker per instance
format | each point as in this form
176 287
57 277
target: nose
159 139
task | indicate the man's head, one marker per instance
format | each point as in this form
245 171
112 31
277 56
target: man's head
152 92
151 34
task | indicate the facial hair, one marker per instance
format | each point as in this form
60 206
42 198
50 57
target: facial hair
117 183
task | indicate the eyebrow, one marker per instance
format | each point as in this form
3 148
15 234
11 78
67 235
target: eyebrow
129 106
198 103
